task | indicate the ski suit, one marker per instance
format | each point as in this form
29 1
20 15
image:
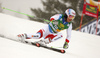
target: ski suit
52 30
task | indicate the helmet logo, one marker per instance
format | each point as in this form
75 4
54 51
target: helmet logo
73 13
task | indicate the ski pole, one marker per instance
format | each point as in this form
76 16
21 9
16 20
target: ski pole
17 12
23 13
56 47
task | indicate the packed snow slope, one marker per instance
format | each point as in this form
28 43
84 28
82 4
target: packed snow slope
82 45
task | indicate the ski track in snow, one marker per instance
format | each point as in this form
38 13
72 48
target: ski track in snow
82 45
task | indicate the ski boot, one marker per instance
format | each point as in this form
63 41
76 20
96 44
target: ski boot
22 37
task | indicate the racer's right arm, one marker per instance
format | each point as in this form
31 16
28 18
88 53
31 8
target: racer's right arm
54 19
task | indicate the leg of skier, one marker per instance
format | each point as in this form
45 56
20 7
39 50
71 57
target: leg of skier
41 33
45 33
52 37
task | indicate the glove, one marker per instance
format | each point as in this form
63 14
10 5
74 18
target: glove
47 40
22 37
65 45
55 22
44 41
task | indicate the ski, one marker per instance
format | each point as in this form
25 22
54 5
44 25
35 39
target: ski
44 46
39 45
50 48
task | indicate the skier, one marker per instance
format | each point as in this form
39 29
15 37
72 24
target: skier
51 32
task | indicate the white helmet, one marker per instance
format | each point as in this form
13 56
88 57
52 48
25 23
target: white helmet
70 12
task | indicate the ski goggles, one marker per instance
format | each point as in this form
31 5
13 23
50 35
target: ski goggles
71 17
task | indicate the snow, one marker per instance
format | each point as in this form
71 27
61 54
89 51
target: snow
82 45
22 6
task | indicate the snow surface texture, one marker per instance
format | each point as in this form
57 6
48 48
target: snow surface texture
22 6
82 45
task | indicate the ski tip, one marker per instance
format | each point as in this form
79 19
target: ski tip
62 51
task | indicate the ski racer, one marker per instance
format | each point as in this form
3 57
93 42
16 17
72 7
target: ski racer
51 32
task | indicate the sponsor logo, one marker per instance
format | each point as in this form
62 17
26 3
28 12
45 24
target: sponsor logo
90 14
35 36
91 27
91 9
61 26
57 38
73 13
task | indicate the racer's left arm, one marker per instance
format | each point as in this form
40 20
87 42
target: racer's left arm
68 33
65 46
